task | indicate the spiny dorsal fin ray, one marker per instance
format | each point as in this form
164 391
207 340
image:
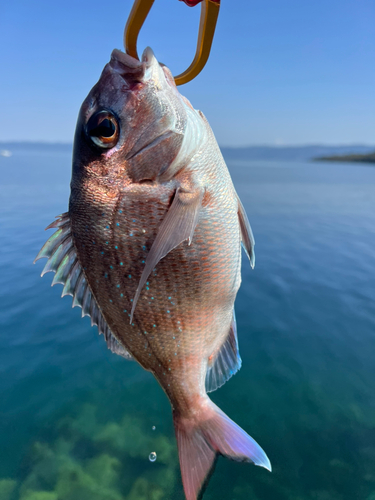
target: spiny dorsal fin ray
248 241
177 226
63 260
226 362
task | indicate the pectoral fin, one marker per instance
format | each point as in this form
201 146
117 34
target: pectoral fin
178 226
246 233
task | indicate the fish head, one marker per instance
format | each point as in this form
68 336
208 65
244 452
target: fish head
131 126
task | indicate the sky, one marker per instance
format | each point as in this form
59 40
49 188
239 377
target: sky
281 72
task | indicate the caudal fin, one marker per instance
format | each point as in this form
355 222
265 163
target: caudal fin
204 436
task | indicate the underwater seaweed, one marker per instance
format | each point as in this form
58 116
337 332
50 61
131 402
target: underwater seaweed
90 460
7 488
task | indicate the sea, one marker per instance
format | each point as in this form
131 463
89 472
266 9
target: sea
80 423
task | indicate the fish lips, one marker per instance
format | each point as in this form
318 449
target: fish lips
133 70
126 66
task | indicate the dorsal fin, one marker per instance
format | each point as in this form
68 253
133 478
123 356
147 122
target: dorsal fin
63 260
226 362
248 241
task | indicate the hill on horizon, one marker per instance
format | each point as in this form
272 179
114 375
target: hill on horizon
261 152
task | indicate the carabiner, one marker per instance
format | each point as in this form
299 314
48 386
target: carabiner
207 25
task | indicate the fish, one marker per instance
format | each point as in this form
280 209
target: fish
150 249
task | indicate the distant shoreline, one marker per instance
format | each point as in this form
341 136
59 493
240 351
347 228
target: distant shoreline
350 158
310 152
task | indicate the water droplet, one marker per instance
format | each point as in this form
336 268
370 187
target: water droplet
153 427
152 456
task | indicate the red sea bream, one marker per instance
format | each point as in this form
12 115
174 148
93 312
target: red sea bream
151 249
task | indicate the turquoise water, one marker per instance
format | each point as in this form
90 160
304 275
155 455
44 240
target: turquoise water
77 421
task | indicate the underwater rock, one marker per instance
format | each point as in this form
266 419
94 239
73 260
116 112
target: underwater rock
144 490
43 471
132 439
105 470
84 425
7 487
165 477
38 495
99 461
127 438
76 484
57 470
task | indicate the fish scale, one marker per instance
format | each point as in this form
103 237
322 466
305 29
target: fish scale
182 261
151 250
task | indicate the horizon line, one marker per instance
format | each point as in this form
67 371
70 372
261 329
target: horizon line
257 145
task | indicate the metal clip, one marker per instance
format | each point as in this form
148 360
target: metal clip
207 25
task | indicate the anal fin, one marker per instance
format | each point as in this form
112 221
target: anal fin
226 362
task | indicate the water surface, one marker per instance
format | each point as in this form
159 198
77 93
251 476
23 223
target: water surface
77 421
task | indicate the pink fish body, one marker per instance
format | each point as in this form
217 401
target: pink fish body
151 249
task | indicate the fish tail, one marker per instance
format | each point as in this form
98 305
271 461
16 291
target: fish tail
205 435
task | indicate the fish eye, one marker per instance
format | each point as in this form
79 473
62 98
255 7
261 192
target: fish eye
103 129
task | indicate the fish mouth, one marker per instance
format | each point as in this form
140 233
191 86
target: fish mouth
129 67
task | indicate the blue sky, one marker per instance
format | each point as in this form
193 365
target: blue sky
280 72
